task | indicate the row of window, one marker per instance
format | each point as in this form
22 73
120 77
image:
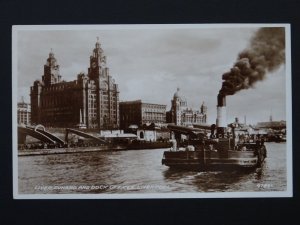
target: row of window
153 113
154 118
57 100
189 119
153 106
153 121
23 112
155 110
59 87
24 118
92 105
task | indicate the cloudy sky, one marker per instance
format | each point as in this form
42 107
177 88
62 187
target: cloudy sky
149 63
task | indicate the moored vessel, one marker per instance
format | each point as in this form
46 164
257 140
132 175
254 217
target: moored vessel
199 152
195 148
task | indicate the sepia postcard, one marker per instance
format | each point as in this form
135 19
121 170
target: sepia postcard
151 111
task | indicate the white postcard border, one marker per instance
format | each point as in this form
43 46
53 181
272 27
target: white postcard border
254 194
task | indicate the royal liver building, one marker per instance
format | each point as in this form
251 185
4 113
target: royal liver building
91 101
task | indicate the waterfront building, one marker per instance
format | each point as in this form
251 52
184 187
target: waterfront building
137 113
24 112
90 101
242 128
275 125
180 114
271 124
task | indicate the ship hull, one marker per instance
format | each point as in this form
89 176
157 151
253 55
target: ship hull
213 160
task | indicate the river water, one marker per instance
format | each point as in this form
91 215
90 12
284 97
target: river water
141 171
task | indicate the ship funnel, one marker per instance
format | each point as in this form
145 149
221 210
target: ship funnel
221 115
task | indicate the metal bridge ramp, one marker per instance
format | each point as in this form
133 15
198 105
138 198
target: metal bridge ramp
82 134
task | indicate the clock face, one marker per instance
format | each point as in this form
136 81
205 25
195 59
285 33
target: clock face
94 64
103 85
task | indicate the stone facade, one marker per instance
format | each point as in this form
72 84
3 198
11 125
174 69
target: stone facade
91 101
272 125
24 113
181 115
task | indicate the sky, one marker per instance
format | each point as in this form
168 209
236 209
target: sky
150 63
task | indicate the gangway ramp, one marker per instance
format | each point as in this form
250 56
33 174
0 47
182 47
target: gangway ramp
24 131
82 134
52 136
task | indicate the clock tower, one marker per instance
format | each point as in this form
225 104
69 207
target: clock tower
106 92
97 63
51 71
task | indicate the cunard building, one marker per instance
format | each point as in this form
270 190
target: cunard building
90 101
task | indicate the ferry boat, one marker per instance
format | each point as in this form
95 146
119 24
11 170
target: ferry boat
198 151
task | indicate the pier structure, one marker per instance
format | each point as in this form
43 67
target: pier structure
82 134
39 132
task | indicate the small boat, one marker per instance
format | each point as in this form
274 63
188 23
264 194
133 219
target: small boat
276 138
198 151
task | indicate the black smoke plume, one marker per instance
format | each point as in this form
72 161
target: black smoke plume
265 54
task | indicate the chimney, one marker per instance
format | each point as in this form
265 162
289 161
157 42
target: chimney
221 100
221 115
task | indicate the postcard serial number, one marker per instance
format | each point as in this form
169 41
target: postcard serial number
265 186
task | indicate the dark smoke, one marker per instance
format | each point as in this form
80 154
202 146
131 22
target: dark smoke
265 54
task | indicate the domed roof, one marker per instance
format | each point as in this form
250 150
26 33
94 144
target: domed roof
177 94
